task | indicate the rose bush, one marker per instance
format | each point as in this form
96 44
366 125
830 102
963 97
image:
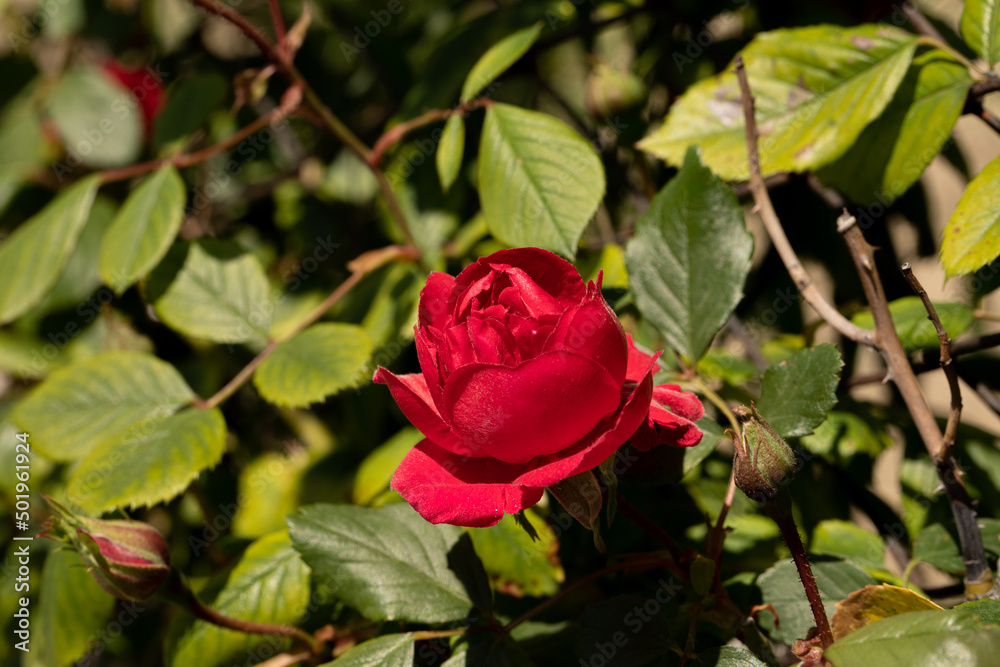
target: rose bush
527 378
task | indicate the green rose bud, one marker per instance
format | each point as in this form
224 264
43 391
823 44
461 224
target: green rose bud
129 559
764 462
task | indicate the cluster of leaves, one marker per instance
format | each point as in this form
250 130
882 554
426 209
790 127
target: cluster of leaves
183 346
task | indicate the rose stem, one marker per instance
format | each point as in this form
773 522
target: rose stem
780 510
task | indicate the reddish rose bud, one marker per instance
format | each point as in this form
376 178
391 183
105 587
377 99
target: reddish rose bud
129 559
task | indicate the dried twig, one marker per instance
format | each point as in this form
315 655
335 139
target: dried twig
947 364
978 576
763 204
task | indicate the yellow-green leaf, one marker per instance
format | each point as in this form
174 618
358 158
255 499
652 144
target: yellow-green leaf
501 56
980 28
451 147
32 258
143 230
972 235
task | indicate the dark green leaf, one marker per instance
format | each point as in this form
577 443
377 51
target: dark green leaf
539 181
816 89
689 258
987 610
270 584
390 564
796 394
936 546
189 103
729 656
894 149
322 360
846 540
100 400
915 329
385 651
628 630
781 587
37 252
919 639
143 230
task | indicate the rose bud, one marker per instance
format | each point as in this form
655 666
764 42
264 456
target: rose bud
764 462
129 559
528 379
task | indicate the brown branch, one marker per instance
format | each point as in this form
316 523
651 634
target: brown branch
278 21
395 134
289 104
773 225
978 576
931 360
742 189
335 125
947 364
920 22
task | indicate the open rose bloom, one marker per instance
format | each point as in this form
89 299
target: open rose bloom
528 378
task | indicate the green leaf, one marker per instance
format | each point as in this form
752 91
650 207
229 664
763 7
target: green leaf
188 105
218 296
390 564
270 584
32 258
385 651
498 59
729 656
82 406
269 487
972 235
916 331
689 258
21 147
980 28
845 434
781 587
797 393
516 564
892 152
936 546
919 639
143 230
450 150
844 539
986 609
82 278
322 360
149 464
72 610
96 119
375 472
539 181
625 631
816 89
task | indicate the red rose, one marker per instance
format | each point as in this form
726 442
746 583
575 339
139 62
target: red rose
528 378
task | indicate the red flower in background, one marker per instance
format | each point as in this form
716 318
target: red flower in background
144 86
528 378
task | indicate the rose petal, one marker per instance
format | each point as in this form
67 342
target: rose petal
434 297
414 398
445 488
592 330
541 407
638 361
491 341
610 434
551 273
427 356
683 403
673 429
